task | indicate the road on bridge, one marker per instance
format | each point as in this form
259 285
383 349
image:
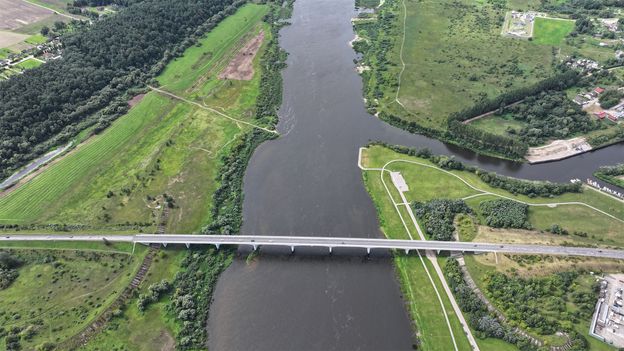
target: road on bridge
330 243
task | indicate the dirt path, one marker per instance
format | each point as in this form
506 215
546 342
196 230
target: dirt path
241 66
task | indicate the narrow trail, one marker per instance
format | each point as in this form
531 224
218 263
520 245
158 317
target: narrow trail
396 97
204 107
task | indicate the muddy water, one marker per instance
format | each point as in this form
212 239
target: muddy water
307 183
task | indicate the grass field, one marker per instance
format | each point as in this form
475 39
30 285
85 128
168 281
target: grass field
454 55
498 124
426 185
161 146
548 31
30 63
57 292
150 331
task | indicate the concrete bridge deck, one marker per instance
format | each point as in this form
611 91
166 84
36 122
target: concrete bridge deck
330 243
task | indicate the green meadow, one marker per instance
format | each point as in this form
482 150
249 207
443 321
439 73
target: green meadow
58 291
117 179
549 31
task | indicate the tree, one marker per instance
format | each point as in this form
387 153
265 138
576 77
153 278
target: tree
45 30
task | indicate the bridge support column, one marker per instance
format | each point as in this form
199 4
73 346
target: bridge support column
133 245
407 251
164 244
439 251
217 245
188 246
292 249
495 257
255 247
368 250
330 250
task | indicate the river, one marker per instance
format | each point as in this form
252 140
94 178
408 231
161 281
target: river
307 183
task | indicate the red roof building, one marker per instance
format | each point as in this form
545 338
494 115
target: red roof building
600 115
599 90
611 117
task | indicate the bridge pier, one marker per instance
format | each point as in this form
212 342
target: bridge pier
368 249
330 250
407 251
164 244
217 245
292 249
255 247
188 246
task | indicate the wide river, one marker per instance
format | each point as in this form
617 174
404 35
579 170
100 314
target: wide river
307 183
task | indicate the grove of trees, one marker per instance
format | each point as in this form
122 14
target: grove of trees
438 216
503 213
50 104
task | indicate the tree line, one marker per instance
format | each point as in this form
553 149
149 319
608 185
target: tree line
50 104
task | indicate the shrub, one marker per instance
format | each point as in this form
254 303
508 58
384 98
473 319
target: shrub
503 213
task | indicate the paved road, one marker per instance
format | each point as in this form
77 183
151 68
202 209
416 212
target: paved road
329 242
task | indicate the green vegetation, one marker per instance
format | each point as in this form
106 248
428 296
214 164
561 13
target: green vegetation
550 31
30 63
454 56
610 98
167 161
503 125
151 329
612 174
597 229
438 216
36 39
162 146
505 213
57 292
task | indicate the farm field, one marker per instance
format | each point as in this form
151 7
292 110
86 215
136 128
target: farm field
57 292
424 185
118 179
454 55
548 31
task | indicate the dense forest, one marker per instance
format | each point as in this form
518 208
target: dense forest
50 104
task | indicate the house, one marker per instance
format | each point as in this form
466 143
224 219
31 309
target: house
612 117
601 115
599 90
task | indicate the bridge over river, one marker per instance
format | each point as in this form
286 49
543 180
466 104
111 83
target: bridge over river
330 243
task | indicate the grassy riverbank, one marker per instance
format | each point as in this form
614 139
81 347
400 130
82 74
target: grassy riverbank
58 291
162 146
173 159
428 181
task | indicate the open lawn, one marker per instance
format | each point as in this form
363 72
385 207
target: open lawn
550 31
163 145
59 292
454 55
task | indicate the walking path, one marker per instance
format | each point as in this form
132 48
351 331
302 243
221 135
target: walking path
204 107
